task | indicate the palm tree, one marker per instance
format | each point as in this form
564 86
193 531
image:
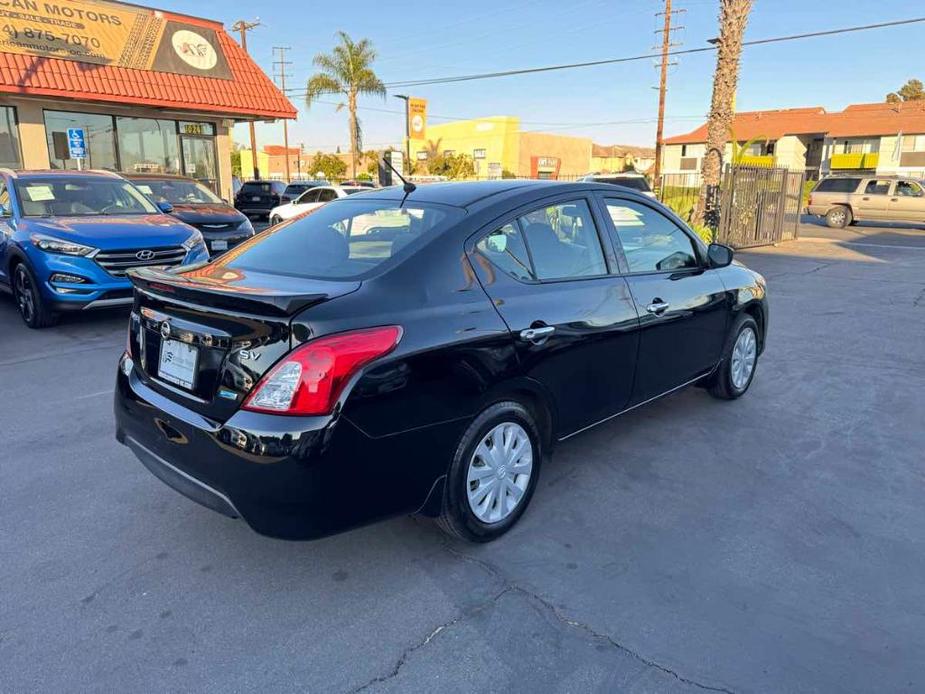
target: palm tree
732 20
346 71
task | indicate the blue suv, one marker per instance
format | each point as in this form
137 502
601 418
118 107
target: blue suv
67 239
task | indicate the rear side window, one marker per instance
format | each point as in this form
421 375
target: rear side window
505 248
837 185
563 241
344 240
878 188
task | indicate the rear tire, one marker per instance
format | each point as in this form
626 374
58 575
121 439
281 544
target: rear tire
839 217
274 220
493 474
737 369
33 309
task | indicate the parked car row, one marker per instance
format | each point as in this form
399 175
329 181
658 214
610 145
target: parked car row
69 238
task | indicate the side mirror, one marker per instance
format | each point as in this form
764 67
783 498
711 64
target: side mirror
165 207
719 255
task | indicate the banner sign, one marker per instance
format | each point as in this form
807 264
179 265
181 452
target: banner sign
108 33
417 118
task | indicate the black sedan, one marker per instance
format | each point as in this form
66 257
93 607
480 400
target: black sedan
188 200
397 352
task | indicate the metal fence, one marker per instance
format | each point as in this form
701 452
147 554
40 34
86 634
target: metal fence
758 205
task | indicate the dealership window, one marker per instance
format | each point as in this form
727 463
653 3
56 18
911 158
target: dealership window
148 145
478 154
10 154
99 135
422 155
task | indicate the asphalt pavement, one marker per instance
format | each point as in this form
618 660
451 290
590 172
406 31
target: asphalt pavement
772 544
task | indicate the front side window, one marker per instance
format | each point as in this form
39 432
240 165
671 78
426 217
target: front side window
348 239
651 242
308 196
563 241
877 188
326 195
177 191
81 196
908 189
505 248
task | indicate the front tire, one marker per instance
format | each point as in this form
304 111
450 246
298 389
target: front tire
740 359
839 217
493 474
33 309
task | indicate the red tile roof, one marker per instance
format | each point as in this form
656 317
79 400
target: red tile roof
279 150
857 120
251 93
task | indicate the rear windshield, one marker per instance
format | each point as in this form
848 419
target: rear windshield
345 240
631 183
296 188
837 185
80 196
254 187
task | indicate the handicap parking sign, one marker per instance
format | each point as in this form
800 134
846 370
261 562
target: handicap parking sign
76 143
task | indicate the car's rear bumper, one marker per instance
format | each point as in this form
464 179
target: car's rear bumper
292 478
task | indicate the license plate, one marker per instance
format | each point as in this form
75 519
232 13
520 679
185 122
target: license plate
255 198
178 363
219 245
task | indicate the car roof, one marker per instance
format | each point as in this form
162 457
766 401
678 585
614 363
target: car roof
53 173
157 176
468 193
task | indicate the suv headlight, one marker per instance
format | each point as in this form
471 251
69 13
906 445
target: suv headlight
50 244
193 241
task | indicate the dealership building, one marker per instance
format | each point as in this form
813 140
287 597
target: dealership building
152 91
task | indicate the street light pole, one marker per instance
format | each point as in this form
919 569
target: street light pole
405 98
244 26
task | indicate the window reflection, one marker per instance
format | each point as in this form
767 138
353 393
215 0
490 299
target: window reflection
147 145
9 139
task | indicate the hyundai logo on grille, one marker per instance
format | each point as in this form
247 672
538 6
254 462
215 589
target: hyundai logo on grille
146 254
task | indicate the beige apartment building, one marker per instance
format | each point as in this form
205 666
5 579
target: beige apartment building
880 138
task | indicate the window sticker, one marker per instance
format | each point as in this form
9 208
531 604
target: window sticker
39 193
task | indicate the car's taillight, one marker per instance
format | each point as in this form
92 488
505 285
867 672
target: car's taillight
310 379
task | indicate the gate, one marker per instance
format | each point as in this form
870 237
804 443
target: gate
759 205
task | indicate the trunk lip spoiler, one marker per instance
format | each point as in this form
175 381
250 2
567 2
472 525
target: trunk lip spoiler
276 305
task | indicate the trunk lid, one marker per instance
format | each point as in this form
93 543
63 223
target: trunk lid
205 337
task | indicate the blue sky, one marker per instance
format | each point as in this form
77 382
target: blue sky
419 40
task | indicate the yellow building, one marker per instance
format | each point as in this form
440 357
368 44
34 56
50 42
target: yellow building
499 147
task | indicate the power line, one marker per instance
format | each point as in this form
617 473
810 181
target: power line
647 56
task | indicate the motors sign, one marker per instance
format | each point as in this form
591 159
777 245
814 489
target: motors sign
109 33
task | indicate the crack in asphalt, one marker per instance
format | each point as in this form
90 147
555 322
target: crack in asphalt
511 587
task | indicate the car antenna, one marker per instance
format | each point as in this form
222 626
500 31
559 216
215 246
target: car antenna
408 186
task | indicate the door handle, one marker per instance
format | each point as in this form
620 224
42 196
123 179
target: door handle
537 335
657 307
894 199
865 198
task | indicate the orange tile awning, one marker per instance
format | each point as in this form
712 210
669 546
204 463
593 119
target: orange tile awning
249 94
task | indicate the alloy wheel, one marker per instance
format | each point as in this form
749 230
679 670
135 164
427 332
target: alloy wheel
25 298
744 354
499 472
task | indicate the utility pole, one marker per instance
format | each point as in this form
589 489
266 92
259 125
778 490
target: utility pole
281 64
244 26
667 45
